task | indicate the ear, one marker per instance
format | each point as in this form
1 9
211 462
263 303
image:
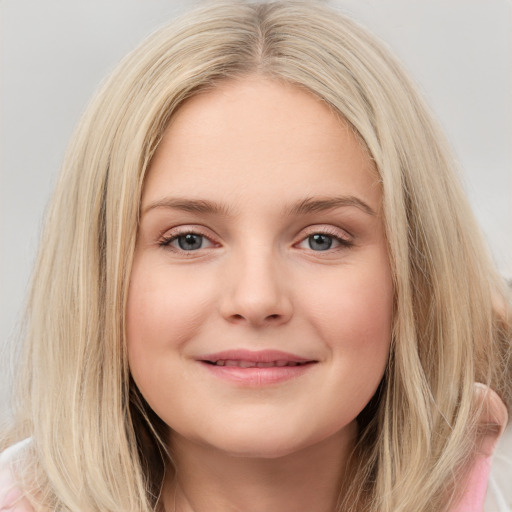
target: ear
492 419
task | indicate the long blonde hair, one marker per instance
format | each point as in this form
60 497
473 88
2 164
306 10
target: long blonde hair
95 444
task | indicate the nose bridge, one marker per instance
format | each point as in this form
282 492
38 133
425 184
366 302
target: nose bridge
257 292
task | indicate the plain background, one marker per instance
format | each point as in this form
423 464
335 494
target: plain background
54 53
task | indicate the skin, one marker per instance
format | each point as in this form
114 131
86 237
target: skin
257 149
257 145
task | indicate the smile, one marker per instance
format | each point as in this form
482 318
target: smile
255 369
253 364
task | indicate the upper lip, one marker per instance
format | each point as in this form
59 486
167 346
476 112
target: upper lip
260 356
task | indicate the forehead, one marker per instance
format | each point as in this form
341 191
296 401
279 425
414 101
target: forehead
257 136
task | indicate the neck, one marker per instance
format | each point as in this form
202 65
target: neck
209 480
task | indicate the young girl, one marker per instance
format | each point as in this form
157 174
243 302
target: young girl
259 288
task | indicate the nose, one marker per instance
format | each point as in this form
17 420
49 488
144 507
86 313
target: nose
256 291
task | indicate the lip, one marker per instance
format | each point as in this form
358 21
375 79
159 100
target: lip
249 368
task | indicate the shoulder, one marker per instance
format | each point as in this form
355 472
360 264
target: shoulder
492 420
499 493
11 496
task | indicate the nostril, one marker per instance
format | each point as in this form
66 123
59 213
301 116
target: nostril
238 309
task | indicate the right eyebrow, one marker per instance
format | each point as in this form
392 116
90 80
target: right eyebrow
188 205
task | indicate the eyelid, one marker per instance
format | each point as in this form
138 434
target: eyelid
169 235
327 229
344 238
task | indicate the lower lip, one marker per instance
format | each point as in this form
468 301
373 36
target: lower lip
256 377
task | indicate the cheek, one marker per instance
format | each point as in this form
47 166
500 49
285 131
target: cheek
163 312
353 310
353 316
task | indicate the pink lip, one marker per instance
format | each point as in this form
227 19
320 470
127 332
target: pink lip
248 368
261 356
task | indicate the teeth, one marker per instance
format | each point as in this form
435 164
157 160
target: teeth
265 365
252 364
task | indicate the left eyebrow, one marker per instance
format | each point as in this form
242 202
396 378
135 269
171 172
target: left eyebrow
314 205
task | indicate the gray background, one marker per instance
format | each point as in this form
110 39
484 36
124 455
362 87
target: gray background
55 52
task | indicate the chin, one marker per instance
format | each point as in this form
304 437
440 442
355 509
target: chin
263 449
262 443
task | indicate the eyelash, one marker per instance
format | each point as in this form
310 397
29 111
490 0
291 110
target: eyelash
166 241
344 243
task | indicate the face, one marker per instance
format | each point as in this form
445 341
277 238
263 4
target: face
260 301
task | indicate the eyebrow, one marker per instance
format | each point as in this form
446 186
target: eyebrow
189 205
305 206
313 205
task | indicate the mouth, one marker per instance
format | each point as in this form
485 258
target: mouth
252 364
254 369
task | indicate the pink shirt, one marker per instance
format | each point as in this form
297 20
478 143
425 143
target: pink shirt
11 497
475 488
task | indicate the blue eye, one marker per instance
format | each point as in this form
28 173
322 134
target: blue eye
325 241
186 242
320 242
189 241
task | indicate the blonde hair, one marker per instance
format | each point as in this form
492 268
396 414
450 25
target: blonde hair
95 444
